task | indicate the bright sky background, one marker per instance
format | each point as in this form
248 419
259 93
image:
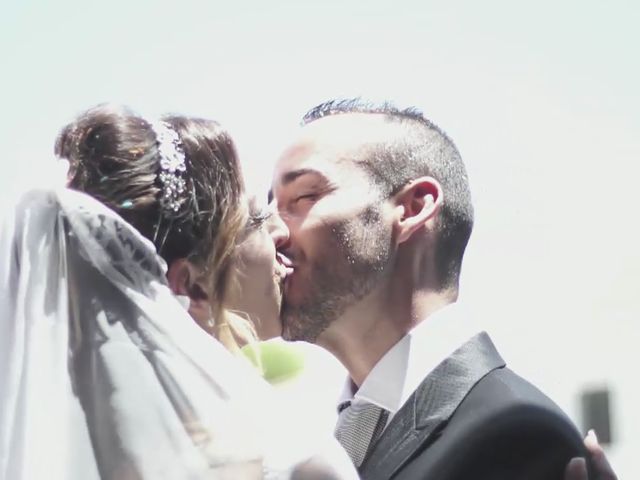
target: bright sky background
541 98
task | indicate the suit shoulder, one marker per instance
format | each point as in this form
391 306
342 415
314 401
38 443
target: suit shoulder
504 428
502 388
505 404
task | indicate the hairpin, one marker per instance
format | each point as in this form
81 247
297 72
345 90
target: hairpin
172 168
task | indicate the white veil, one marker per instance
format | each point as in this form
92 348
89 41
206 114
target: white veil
102 373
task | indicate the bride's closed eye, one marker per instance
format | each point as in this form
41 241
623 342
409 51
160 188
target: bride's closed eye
258 217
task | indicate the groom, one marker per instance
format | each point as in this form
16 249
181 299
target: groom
379 210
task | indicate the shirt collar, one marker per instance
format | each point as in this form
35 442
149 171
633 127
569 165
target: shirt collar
401 370
383 385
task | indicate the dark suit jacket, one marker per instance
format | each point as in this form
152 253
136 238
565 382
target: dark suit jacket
472 418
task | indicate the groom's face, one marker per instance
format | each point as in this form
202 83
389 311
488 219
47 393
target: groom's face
340 236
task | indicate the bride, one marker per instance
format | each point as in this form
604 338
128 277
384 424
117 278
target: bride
103 371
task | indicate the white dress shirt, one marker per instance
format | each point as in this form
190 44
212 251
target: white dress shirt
403 368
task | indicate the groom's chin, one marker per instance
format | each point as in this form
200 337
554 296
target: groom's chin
289 334
292 331
296 330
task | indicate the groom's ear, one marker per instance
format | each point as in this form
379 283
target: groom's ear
416 206
184 279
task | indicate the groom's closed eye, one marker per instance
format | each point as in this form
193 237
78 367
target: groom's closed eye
306 196
294 177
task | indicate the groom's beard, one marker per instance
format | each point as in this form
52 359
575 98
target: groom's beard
353 262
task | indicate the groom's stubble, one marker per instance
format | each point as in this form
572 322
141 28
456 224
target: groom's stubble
356 257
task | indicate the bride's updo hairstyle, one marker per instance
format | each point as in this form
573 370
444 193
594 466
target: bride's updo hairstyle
177 181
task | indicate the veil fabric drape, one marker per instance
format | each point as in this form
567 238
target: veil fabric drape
104 375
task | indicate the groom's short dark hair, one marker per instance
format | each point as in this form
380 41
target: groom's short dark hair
424 150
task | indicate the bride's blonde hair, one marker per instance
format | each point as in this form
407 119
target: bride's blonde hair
114 156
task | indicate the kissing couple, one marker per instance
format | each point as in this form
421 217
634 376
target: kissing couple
131 285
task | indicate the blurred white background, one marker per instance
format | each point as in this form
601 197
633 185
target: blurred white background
541 98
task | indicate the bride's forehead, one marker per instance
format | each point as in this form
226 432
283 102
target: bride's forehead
257 184
257 198
252 201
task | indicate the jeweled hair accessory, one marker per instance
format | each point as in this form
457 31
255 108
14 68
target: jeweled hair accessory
172 169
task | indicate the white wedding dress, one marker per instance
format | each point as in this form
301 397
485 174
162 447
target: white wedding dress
103 374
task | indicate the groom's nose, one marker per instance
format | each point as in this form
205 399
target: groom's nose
278 230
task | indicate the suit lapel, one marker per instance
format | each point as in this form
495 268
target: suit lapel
431 405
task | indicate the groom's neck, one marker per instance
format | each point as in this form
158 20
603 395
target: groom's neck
369 328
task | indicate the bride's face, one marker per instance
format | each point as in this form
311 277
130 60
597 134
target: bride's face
258 275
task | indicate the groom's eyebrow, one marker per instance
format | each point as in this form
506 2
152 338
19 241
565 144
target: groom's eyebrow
291 176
